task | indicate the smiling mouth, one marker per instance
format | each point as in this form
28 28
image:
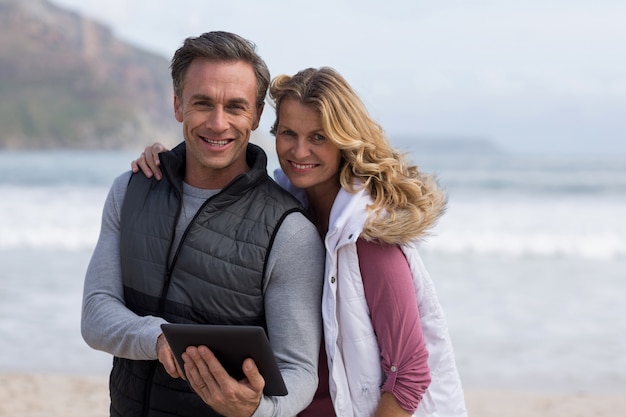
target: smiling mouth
302 166
213 142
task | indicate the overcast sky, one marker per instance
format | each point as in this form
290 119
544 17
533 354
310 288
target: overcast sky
533 75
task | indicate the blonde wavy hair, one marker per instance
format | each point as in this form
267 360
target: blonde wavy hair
406 202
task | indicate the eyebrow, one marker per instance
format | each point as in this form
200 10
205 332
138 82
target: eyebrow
240 101
237 100
320 130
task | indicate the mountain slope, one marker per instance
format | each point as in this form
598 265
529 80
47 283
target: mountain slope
67 81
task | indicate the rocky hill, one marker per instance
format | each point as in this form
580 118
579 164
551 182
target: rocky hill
66 81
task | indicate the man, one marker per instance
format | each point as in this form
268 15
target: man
216 242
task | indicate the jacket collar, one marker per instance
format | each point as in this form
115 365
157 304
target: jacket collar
347 216
173 165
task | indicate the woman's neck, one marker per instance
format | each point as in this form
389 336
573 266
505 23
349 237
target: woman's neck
320 204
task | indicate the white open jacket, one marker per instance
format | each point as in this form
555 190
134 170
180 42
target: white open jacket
351 344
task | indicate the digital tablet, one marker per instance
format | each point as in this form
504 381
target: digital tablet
231 345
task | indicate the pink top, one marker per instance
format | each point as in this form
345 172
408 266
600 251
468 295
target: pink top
390 296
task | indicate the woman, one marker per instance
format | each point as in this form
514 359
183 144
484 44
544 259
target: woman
386 339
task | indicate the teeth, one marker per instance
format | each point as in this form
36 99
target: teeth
301 166
215 142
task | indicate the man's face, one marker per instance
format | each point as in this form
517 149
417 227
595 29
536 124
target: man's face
218 112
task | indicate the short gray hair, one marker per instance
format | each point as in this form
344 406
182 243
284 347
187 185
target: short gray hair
219 46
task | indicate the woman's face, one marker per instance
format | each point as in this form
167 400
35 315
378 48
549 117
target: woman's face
306 155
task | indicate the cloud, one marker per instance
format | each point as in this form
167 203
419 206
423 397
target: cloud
547 71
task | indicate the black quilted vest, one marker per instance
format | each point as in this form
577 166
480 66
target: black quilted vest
215 277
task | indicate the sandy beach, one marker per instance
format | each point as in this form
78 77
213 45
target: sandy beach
29 395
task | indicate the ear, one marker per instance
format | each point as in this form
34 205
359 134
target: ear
178 112
259 112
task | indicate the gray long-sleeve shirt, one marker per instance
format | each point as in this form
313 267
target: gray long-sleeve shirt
292 300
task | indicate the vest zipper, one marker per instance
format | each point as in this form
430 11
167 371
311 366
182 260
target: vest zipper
170 269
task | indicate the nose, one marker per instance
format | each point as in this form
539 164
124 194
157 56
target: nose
301 149
217 120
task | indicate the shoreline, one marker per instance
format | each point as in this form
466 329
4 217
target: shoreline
57 395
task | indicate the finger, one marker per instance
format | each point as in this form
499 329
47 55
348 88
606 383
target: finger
197 371
149 155
143 164
222 378
152 159
154 153
139 164
158 147
171 367
180 371
193 376
214 367
167 359
197 365
255 379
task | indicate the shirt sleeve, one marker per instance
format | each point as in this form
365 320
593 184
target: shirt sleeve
293 297
106 323
390 296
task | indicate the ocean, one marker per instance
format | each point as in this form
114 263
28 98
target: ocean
529 261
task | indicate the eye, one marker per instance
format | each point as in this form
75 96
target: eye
202 104
236 107
288 132
318 138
